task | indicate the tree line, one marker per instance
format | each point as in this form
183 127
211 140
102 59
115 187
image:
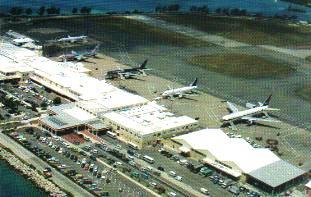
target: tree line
17 11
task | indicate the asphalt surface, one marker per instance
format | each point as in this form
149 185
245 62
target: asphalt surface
117 181
170 62
190 180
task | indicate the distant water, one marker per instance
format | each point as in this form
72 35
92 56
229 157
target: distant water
13 184
267 7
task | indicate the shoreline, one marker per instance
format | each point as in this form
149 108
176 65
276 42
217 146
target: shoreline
29 172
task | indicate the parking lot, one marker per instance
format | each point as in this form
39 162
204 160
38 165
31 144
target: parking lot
25 101
89 173
184 170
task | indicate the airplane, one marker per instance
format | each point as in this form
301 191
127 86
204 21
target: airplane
91 53
180 92
79 56
248 115
72 39
72 57
128 72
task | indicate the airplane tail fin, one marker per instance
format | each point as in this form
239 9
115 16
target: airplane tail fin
95 49
194 83
143 65
267 101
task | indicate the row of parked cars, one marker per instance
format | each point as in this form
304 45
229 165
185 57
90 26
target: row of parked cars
86 165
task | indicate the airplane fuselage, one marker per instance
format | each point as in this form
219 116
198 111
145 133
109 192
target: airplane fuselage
178 91
248 112
72 39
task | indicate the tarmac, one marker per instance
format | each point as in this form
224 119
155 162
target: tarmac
294 142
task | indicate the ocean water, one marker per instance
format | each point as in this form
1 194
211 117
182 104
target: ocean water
13 184
267 7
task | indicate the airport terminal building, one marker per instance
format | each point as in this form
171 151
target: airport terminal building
97 105
237 158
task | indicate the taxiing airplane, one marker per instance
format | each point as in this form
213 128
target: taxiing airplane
72 39
248 115
180 92
128 72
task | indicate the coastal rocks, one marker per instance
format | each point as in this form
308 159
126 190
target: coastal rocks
31 173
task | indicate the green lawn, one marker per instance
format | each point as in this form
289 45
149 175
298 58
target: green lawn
241 65
270 32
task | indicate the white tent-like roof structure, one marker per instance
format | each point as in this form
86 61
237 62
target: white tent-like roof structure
226 149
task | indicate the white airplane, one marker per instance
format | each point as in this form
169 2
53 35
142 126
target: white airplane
72 39
180 92
247 115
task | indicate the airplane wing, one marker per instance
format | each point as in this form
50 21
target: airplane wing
249 118
232 107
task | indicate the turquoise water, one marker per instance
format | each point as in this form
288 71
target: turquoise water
13 184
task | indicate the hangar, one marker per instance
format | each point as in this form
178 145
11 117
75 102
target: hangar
236 157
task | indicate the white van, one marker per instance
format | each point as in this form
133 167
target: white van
204 191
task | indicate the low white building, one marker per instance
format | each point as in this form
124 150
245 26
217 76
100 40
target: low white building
148 123
236 157
233 155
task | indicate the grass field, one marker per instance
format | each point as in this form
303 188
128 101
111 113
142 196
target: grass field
308 58
269 32
111 29
304 92
242 65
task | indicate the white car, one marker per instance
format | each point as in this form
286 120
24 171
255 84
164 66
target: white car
172 194
153 184
178 178
172 173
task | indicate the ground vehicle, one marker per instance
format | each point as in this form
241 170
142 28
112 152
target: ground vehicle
148 159
204 191
160 168
112 135
178 178
132 145
172 173
172 194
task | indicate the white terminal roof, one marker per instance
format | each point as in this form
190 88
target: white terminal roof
308 185
73 77
79 114
9 65
223 148
115 99
147 119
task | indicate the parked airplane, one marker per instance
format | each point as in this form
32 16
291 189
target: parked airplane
180 92
72 39
79 56
128 72
91 53
248 115
72 57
